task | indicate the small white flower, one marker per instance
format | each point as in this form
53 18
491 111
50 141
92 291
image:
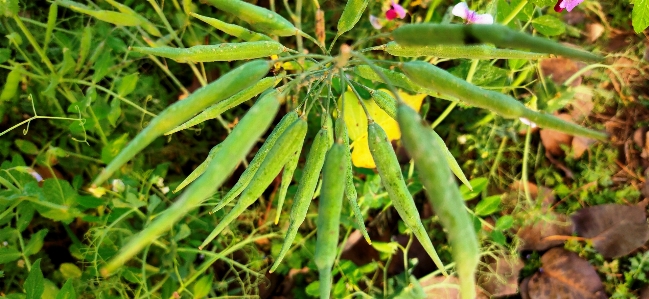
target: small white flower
164 190
461 139
376 22
471 17
160 182
528 122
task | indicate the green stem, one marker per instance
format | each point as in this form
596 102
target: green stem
108 91
526 153
514 12
34 44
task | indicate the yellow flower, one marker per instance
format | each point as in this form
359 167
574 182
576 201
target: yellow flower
356 121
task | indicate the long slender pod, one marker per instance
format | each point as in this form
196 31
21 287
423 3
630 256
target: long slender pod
392 179
144 22
174 115
258 17
350 189
219 52
231 29
199 170
455 51
215 110
430 76
455 167
233 149
444 195
329 209
499 35
388 104
287 178
259 158
397 79
305 190
286 146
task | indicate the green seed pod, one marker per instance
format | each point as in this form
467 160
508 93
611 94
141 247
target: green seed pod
305 190
455 167
233 150
113 17
174 115
329 210
200 169
397 79
386 102
350 189
286 146
144 22
287 178
454 51
51 23
220 52
499 35
10 88
392 179
353 12
259 18
259 158
84 47
428 75
444 196
215 110
234 30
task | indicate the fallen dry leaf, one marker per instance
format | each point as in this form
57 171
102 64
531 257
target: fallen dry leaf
560 69
582 104
640 137
594 31
644 293
564 275
615 230
580 145
501 276
533 236
441 287
552 140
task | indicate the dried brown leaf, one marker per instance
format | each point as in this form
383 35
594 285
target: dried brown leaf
615 230
580 145
582 105
533 236
564 275
560 69
594 31
552 140
501 277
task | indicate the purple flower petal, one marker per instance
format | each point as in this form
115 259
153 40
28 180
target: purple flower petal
569 4
391 14
461 10
482 19
401 12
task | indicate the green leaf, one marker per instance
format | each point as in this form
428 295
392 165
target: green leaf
26 146
5 54
70 270
478 185
389 248
203 286
488 206
67 291
115 112
549 25
127 84
542 3
640 15
34 284
498 237
101 66
8 255
9 8
36 242
504 223
184 232
110 150
313 289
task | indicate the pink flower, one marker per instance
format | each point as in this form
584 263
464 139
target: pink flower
567 4
471 17
395 11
